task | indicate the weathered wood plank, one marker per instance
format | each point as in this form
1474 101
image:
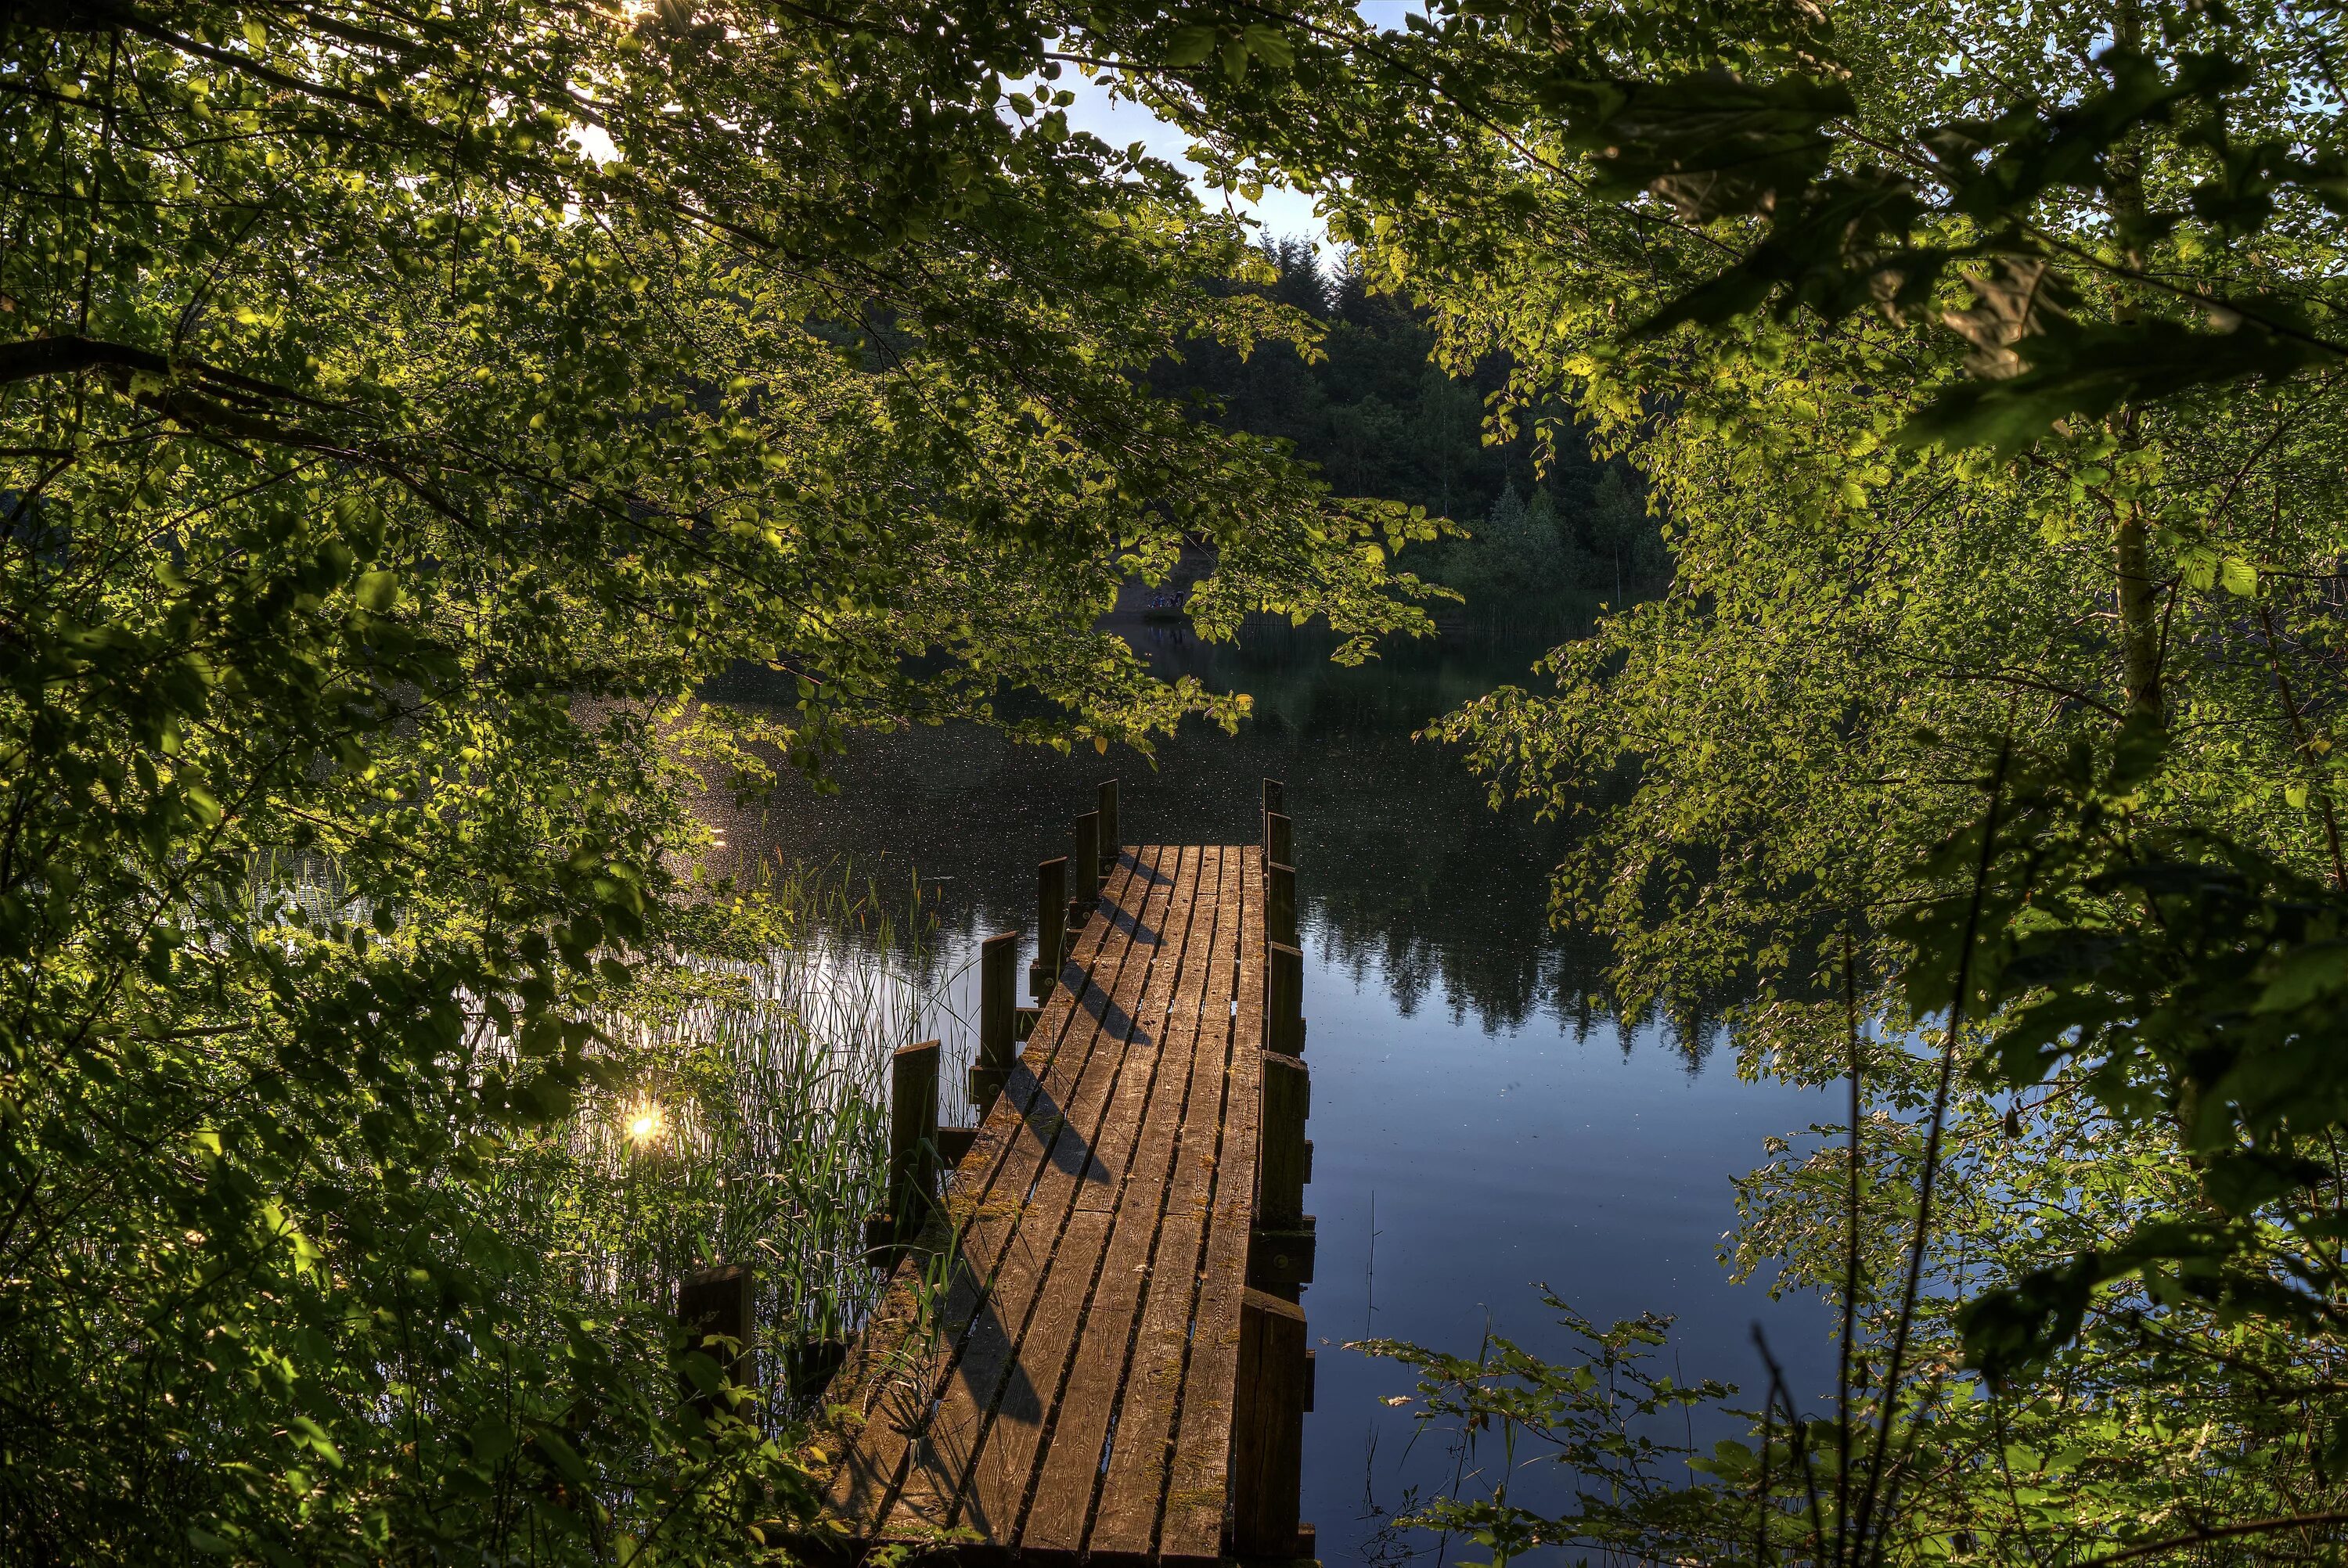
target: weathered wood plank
1134 1493
893 1373
1190 1067
1268 1438
1122 1157
1075 1398
1202 1445
1001 1398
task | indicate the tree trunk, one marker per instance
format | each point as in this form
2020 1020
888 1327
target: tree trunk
2139 615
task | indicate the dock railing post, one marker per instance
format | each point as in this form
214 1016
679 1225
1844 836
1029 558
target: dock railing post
720 1302
1281 1240
998 1003
1051 926
1085 874
1283 1166
912 1143
1268 1430
1283 1000
1280 903
1279 839
1110 845
1276 1368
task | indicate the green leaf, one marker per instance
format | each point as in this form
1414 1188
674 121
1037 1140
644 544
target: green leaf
1191 45
377 590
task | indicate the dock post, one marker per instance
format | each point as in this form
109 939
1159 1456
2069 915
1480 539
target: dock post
998 1003
1279 839
1268 1430
1110 845
1282 1172
913 1140
1275 795
1051 926
1283 1000
1280 903
1085 874
1281 1240
720 1301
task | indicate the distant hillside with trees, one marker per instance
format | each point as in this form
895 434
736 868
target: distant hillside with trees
1381 418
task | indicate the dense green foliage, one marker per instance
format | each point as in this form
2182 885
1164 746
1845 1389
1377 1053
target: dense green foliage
1551 534
383 473
1982 362
387 473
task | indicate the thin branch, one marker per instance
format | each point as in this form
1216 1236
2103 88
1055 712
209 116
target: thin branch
2219 1532
1849 1269
2302 743
1919 1243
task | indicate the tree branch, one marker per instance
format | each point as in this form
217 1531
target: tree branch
2219 1532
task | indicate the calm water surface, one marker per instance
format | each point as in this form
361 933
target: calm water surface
1481 1122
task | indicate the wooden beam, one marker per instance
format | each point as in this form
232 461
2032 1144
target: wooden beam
1110 845
721 1303
1268 1428
998 1004
1280 903
1279 839
912 1139
1275 795
1051 926
1280 1260
1085 872
1282 1150
1283 1000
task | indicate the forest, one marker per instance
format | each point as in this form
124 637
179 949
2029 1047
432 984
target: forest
1549 537
454 455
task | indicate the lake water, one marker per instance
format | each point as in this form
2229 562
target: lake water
1481 1120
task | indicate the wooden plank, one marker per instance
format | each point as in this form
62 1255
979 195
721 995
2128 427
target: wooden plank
889 1381
1111 844
1134 1490
1268 1428
1283 1000
1006 1386
895 1369
991 1367
912 1139
1203 1444
1280 903
1062 1508
1015 1448
1051 926
1078 1398
1280 1135
1279 839
998 1007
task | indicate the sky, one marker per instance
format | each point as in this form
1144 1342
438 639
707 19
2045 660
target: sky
1121 122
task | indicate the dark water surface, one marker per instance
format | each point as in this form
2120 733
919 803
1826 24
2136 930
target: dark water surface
1481 1120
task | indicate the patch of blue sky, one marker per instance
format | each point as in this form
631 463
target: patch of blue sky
1120 122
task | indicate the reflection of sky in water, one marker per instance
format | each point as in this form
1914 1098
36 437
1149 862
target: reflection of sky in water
1468 1087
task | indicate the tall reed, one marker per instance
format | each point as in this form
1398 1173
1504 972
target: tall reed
750 1121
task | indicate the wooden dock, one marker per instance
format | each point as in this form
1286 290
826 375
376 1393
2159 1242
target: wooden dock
1090 1347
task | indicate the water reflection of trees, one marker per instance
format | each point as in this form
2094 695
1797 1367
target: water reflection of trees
1410 881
